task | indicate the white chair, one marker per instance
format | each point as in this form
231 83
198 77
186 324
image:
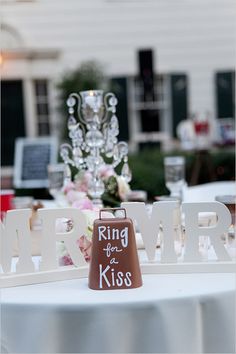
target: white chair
208 191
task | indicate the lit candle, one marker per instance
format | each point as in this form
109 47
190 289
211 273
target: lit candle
90 99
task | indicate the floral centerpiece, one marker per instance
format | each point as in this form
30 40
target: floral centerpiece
116 187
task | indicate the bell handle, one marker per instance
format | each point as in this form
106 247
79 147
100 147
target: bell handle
113 209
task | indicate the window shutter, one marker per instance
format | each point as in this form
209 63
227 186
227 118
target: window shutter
119 88
179 99
225 87
12 118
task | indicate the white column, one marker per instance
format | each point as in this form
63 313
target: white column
30 109
55 118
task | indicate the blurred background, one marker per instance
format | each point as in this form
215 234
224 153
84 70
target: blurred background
171 64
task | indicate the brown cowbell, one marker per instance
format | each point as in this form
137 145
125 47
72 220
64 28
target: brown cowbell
114 261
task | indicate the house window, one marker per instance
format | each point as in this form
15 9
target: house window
42 106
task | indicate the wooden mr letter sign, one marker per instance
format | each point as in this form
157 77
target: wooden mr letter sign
114 263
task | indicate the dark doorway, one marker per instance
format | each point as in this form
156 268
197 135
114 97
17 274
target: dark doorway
150 120
12 118
146 74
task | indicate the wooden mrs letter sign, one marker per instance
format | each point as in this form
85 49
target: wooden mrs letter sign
114 262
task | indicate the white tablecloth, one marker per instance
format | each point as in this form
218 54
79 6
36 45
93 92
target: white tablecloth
193 313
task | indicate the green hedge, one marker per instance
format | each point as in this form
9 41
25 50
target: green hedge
148 170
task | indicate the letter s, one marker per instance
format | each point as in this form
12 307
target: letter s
119 281
127 280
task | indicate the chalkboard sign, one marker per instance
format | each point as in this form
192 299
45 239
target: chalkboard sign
32 156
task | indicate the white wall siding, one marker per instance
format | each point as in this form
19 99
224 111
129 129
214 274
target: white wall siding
192 36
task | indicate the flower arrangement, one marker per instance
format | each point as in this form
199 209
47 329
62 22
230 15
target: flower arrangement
116 189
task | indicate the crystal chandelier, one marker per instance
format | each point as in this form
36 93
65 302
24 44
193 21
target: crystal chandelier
93 130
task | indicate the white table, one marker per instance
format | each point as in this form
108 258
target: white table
193 313
208 191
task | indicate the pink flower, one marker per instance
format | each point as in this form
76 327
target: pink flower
82 181
65 260
85 247
82 204
61 225
73 195
106 171
68 187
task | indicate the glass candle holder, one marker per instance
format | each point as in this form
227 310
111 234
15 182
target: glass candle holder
175 175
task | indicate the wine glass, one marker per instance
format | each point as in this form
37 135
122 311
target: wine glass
56 177
175 175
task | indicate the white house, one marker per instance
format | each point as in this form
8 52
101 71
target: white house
192 41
